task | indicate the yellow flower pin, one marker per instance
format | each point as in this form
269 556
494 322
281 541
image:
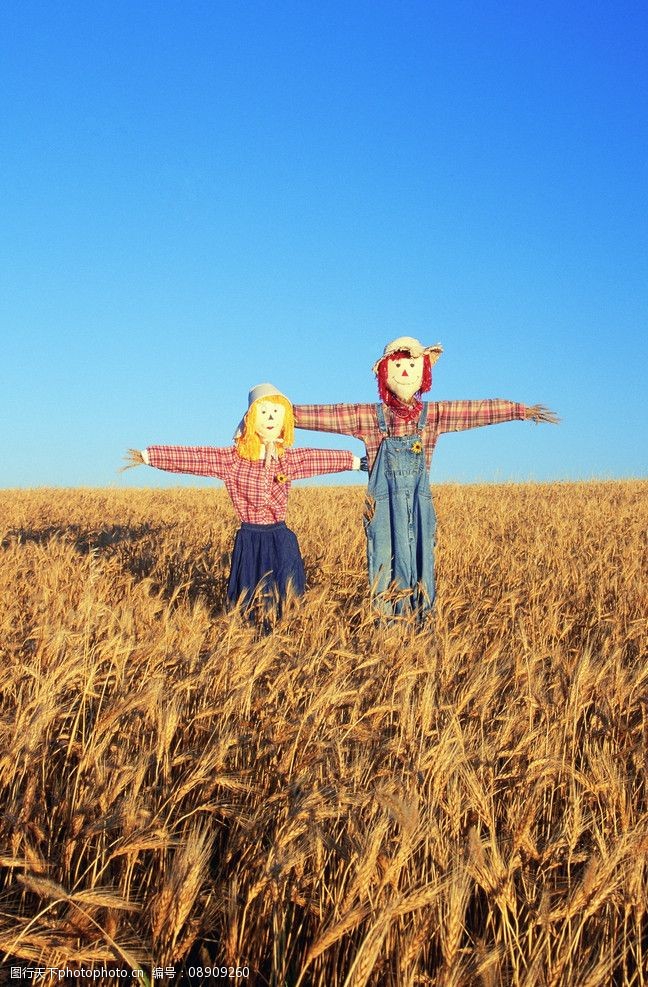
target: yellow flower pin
281 478
417 446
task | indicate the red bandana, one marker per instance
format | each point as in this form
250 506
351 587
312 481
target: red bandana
409 412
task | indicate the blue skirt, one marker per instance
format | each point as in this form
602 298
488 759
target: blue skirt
266 563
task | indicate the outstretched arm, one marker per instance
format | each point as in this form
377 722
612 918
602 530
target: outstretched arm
315 462
347 419
197 460
455 416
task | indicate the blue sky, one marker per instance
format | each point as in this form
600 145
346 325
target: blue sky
199 196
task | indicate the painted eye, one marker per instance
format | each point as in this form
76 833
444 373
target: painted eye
412 364
397 364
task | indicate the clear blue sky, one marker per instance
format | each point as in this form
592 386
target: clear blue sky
199 196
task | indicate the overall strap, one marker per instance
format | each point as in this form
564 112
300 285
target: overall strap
422 417
380 415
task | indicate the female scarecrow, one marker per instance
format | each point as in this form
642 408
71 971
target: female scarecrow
400 433
257 470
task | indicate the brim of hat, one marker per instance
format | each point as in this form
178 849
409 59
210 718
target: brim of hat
434 352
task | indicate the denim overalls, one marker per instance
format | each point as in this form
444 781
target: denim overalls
400 523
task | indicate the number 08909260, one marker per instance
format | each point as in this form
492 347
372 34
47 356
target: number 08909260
224 972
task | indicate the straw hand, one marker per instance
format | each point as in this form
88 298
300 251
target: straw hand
132 458
540 413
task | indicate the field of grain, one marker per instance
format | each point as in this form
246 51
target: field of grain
337 803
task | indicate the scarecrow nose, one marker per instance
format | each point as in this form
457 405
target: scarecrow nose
404 373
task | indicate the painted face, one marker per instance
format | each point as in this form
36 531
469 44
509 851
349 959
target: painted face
269 420
405 376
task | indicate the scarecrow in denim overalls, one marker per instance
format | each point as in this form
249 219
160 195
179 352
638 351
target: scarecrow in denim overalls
400 433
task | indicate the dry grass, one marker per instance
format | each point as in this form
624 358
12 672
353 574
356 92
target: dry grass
336 804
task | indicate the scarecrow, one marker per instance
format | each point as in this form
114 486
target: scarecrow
400 433
258 471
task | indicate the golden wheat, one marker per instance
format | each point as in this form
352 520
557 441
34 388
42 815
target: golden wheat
340 801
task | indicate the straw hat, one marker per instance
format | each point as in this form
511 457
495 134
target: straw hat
412 346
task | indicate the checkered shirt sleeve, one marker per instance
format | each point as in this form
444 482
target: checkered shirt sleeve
455 416
302 463
346 419
197 460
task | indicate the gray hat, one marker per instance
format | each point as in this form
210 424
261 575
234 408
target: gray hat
256 393
263 391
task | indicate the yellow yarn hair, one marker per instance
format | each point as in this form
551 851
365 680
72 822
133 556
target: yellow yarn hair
248 445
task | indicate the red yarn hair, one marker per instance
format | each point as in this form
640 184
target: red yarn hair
383 390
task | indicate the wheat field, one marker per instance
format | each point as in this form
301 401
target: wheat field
338 803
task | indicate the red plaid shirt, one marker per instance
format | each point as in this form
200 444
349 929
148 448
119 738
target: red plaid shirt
360 420
259 494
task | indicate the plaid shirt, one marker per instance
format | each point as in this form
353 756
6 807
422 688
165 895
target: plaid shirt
259 494
360 420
